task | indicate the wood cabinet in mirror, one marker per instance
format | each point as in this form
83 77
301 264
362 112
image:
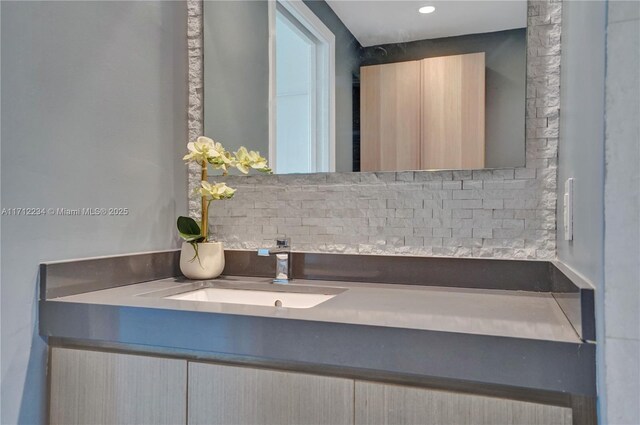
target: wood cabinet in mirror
426 114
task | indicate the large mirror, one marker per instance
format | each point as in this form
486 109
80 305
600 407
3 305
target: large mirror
335 85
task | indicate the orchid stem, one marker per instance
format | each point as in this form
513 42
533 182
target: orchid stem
205 205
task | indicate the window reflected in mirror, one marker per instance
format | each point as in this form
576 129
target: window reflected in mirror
300 80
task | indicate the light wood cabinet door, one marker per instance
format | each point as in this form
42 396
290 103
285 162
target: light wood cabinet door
93 387
453 112
229 395
427 114
390 117
383 404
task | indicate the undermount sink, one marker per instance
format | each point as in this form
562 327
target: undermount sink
248 291
289 299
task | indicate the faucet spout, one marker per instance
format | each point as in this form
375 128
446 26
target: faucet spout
282 252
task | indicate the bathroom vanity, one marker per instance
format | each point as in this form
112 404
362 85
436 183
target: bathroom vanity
352 339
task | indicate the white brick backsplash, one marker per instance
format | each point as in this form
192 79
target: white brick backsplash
442 232
452 185
461 213
525 173
472 184
493 204
502 213
503 174
462 233
441 213
462 175
497 214
482 233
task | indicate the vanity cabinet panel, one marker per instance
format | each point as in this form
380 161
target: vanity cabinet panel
385 404
390 117
453 109
93 387
220 394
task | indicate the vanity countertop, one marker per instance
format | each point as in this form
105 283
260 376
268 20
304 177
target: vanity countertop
487 338
515 314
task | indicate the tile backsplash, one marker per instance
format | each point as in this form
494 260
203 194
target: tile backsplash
501 213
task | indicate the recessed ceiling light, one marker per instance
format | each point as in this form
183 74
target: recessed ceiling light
427 9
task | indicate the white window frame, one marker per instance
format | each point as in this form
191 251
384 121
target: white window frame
326 113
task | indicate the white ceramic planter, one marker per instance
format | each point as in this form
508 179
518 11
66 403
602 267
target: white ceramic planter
211 262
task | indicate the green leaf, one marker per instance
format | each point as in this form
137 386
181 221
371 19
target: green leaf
192 238
189 229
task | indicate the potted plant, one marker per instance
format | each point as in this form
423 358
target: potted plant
199 257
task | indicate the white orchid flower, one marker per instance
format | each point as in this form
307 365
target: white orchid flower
215 192
203 149
223 159
246 160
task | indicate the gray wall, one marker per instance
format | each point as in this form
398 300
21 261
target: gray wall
599 148
622 216
581 147
236 75
505 62
581 150
94 98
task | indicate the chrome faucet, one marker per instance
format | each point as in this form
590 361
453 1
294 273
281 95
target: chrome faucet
282 251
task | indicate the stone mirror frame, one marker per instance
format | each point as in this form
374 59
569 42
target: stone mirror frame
499 213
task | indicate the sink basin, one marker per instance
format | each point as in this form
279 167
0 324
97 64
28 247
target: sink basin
248 291
249 297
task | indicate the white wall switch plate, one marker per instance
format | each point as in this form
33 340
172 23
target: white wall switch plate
568 209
